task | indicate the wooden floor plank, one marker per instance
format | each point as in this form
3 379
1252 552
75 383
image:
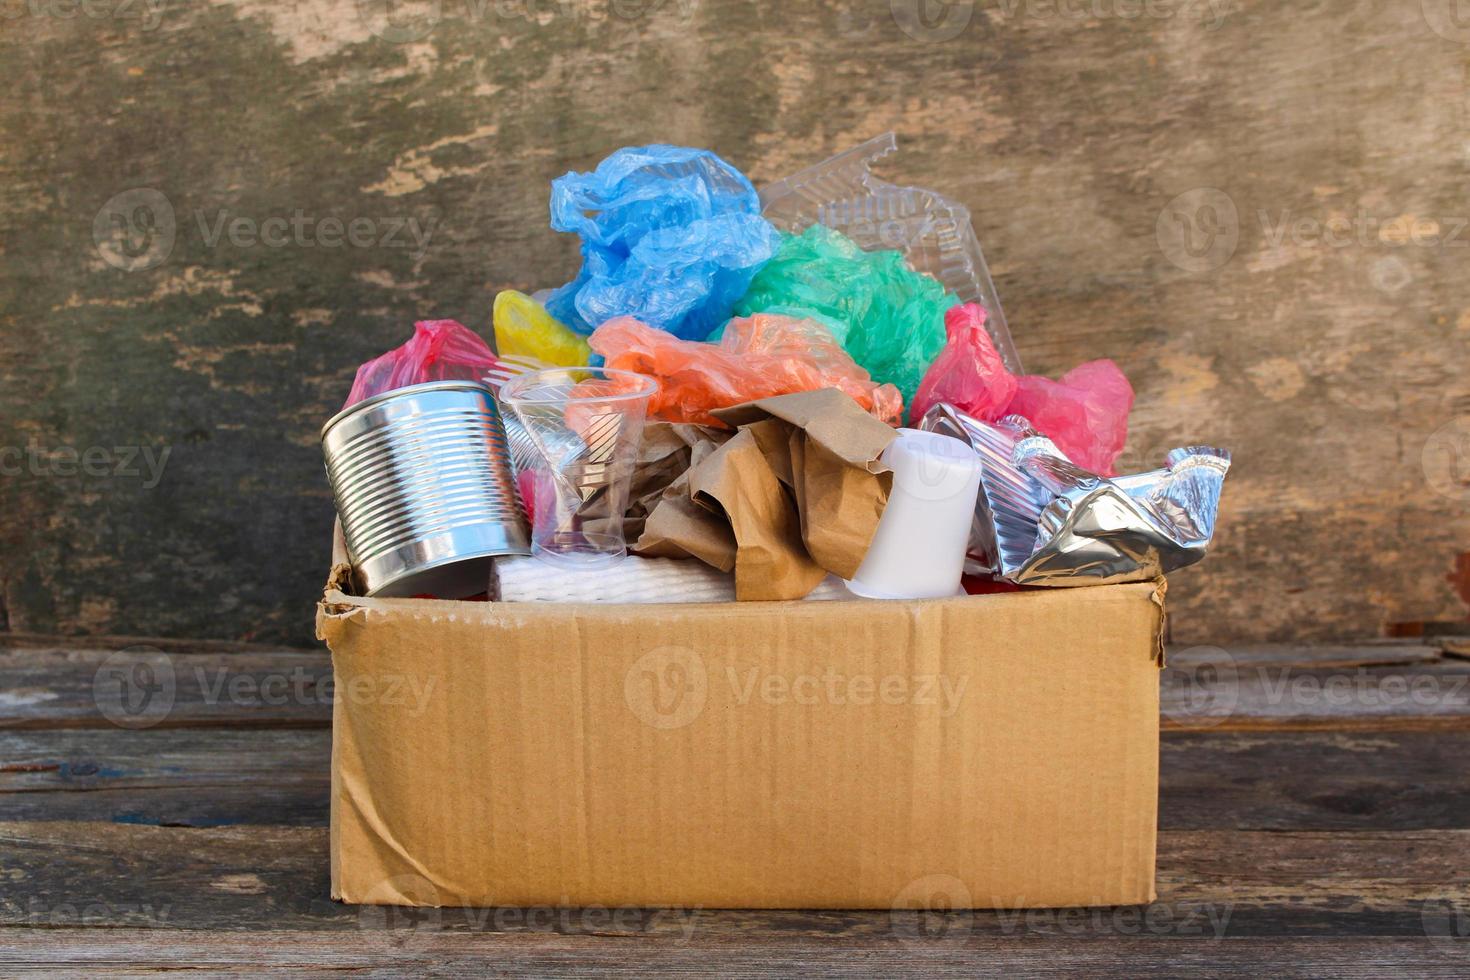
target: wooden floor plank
1302 780
146 687
1208 781
1299 655
1210 883
1224 696
1227 689
144 953
187 777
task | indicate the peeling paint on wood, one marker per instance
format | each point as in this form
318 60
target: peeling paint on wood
1258 213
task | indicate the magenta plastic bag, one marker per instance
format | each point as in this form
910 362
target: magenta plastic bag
1085 413
440 350
671 236
969 373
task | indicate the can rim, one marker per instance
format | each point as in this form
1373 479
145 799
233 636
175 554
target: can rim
479 554
386 396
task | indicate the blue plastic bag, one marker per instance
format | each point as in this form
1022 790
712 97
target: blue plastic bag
670 235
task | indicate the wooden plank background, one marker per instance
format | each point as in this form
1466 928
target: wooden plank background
1256 208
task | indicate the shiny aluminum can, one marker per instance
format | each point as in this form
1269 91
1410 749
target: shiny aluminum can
424 490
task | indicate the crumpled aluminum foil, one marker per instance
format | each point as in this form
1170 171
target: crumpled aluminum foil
1042 520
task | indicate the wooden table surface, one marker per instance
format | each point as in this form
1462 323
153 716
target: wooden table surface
1314 818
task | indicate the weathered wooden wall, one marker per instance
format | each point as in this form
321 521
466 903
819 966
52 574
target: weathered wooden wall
1257 208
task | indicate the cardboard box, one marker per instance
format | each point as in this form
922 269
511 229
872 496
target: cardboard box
1001 751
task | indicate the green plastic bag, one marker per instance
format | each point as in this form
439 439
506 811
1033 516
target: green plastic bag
887 316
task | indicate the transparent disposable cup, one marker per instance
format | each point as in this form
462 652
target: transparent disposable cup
586 424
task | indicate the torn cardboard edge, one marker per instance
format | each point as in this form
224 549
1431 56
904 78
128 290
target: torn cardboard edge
1161 587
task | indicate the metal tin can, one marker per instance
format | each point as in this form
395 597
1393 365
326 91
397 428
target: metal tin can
423 484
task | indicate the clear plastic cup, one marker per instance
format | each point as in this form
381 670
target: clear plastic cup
586 424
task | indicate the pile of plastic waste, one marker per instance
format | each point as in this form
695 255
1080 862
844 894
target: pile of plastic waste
727 379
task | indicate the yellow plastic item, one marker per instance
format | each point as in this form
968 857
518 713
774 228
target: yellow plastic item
523 327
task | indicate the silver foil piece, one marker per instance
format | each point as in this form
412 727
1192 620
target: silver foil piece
1003 534
1042 520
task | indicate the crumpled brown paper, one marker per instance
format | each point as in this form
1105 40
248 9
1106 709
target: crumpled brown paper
795 493
667 451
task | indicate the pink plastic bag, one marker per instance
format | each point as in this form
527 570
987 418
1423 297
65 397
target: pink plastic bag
969 372
1085 413
440 350
757 357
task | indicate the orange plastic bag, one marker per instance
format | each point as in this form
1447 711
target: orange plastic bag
757 357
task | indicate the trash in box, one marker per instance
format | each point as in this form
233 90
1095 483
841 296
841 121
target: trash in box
670 235
1042 520
422 480
998 751
587 424
755 357
704 424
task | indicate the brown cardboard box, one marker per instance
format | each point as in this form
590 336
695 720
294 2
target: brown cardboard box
999 750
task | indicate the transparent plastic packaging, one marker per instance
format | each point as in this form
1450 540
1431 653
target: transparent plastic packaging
933 232
587 424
